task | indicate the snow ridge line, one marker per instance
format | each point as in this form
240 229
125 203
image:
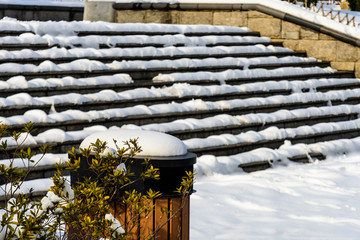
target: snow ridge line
112 41
271 133
209 165
92 65
228 75
72 28
56 136
38 116
20 82
64 53
177 90
206 123
247 119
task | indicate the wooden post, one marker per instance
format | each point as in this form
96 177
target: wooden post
168 221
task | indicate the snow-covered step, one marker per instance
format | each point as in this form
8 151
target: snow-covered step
263 158
224 123
32 41
179 92
54 86
234 76
62 141
141 114
39 87
72 28
245 32
148 69
42 167
62 55
272 137
244 142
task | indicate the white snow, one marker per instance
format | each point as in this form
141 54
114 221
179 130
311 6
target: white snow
251 119
231 74
111 41
271 133
67 29
20 82
152 143
64 53
176 90
38 116
39 160
93 65
312 201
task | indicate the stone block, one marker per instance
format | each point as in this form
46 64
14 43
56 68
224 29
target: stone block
130 16
290 35
324 50
268 27
175 17
230 18
292 44
306 33
343 66
257 14
196 17
99 11
346 52
325 37
154 16
357 69
290 30
289 27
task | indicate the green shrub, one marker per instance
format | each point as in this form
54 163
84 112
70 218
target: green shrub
81 211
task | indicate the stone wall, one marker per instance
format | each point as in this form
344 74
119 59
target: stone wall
342 56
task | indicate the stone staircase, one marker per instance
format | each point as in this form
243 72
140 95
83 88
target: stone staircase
222 90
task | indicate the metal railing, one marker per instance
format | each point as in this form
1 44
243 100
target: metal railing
332 14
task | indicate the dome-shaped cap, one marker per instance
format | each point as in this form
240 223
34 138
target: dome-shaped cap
152 143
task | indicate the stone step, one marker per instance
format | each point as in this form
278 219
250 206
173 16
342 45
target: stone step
263 165
48 170
109 59
163 96
44 46
6 33
308 138
86 89
141 114
154 33
146 75
220 43
295 77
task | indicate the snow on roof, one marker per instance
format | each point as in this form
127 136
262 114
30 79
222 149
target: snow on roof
152 143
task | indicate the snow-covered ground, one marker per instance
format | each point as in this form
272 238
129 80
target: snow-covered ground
311 201
297 201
